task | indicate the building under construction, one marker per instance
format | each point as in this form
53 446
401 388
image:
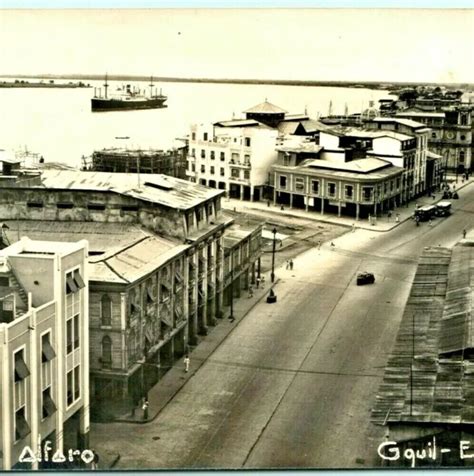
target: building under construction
152 161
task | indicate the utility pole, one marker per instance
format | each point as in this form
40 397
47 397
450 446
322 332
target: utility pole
272 276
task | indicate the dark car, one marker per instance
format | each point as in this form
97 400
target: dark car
365 278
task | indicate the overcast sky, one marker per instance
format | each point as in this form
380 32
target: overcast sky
378 45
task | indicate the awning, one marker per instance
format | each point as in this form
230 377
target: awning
49 406
71 284
47 351
22 427
21 370
78 279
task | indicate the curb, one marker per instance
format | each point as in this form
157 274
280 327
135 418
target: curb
191 374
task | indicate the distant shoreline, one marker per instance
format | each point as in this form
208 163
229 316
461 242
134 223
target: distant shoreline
384 85
27 84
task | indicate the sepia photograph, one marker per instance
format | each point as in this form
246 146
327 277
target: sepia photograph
236 238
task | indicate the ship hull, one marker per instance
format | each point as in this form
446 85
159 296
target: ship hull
99 104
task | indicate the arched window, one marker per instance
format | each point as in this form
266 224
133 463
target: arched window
107 352
463 120
106 310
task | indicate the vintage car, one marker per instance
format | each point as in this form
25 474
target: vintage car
365 278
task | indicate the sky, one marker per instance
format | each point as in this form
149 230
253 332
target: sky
313 44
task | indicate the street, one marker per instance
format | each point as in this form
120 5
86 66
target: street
293 384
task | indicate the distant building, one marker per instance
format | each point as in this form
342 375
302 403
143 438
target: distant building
236 155
169 162
44 349
427 389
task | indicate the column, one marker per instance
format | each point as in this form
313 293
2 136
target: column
241 192
274 197
291 200
322 206
307 203
252 191
84 424
357 211
339 208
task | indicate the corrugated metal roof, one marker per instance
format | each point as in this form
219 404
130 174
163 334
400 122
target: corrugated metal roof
156 188
420 385
266 108
135 261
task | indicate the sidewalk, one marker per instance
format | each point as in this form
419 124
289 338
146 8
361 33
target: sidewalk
381 224
172 382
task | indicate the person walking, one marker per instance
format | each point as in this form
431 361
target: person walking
332 245
257 282
319 244
353 227
464 233
291 264
95 460
145 409
186 363
287 264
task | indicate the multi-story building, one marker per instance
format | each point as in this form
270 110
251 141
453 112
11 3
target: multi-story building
451 134
44 349
156 256
236 155
421 133
337 178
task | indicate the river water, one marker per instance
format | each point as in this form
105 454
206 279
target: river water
59 124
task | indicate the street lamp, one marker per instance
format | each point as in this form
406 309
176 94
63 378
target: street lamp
231 315
272 276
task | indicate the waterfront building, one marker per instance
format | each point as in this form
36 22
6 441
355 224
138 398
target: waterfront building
236 155
156 257
44 349
426 393
170 162
336 176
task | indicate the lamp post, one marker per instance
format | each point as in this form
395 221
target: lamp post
231 315
272 276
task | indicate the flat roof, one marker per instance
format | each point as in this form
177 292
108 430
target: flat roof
405 122
366 165
309 147
237 123
354 132
420 114
155 188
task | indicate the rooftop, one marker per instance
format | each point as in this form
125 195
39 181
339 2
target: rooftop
364 166
353 132
265 108
405 122
238 123
36 247
420 114
437 324
155 188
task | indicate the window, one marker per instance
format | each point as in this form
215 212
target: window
213 155
463 120
193 167
47 351
299 184
367 193
203 154
65 205
315 186
74 282
391 185
49 407
204 136
235 173
193 152
107 352
21 371
106 310
235 158
461 156
73 385
193 136
212 170
433 135
385 187
247 142
222 172
331 189
247 159
349 192
129 208
198 215
283 181
246 174
96 207
72 334
222 156
203 168
35 204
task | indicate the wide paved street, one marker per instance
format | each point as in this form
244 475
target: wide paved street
293 384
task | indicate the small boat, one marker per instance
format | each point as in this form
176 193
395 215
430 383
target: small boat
130 99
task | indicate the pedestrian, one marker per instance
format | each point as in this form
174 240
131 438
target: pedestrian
464 232
287 264
353 227
291 264
397 218
95 460
263 281
319 244
145 409
332 245
250 292
186 363
257 281
389 215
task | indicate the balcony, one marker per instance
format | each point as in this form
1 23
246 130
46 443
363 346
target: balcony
240 165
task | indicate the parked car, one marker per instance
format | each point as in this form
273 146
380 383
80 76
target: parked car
365 278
